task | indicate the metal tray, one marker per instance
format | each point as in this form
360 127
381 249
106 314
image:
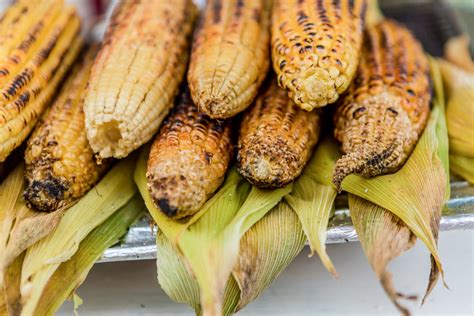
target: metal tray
433 22
139 242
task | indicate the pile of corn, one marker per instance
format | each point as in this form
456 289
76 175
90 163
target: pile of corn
226 231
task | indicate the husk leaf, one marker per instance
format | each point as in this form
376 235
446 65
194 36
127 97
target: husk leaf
43 258
456 50
11 287
462 166
459 108
72 273
265 250
210 245
383 237
313 201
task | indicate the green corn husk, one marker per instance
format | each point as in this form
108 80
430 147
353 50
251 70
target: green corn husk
209 241
416 193
462 166
20 227
72 273
265 250
313 198
45 257
383 237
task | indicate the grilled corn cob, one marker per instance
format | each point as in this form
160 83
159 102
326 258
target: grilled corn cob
276 139
316 48
60 165
137 73
385 110
230 56
38 42
188 159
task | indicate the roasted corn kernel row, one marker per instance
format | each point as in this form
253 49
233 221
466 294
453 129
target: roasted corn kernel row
60 165
276 139
384 112
137 73
188 159
316 47
38 42
230 56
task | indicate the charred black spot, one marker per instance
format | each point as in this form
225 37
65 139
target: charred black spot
208 156
320 47
356 114
392 110
282 64
411 92
218 126
45 195
166 208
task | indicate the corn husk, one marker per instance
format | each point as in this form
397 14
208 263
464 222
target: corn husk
383 237
11 288
456 50
417 192
70 274
462 166
44 258
20 227
209 241
265 250
313 198
460 108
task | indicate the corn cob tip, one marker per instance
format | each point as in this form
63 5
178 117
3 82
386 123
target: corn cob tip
46 196
267 165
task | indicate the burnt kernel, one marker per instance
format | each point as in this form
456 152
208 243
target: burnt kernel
208 156
392 110
166 208
358 112
52 143
320 47
282 64
411 92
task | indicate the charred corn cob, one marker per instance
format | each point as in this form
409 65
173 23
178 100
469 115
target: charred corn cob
276 139
230 56
316 48
385 110
188 159
38 42
137 73
60 165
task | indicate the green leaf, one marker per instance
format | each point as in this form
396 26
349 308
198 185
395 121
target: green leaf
72 273
44 258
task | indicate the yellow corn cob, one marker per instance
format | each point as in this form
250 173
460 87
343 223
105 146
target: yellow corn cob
188 159
385 110
230 56
137 74
60 165
276 139
39 41
316 47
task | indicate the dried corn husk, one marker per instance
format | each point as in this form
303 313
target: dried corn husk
70 274
209 241
383 237
44 257
417 192
462 166
265 250
459 108
11 288
456 50
313 198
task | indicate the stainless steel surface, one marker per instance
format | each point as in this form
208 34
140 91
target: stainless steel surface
139 243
